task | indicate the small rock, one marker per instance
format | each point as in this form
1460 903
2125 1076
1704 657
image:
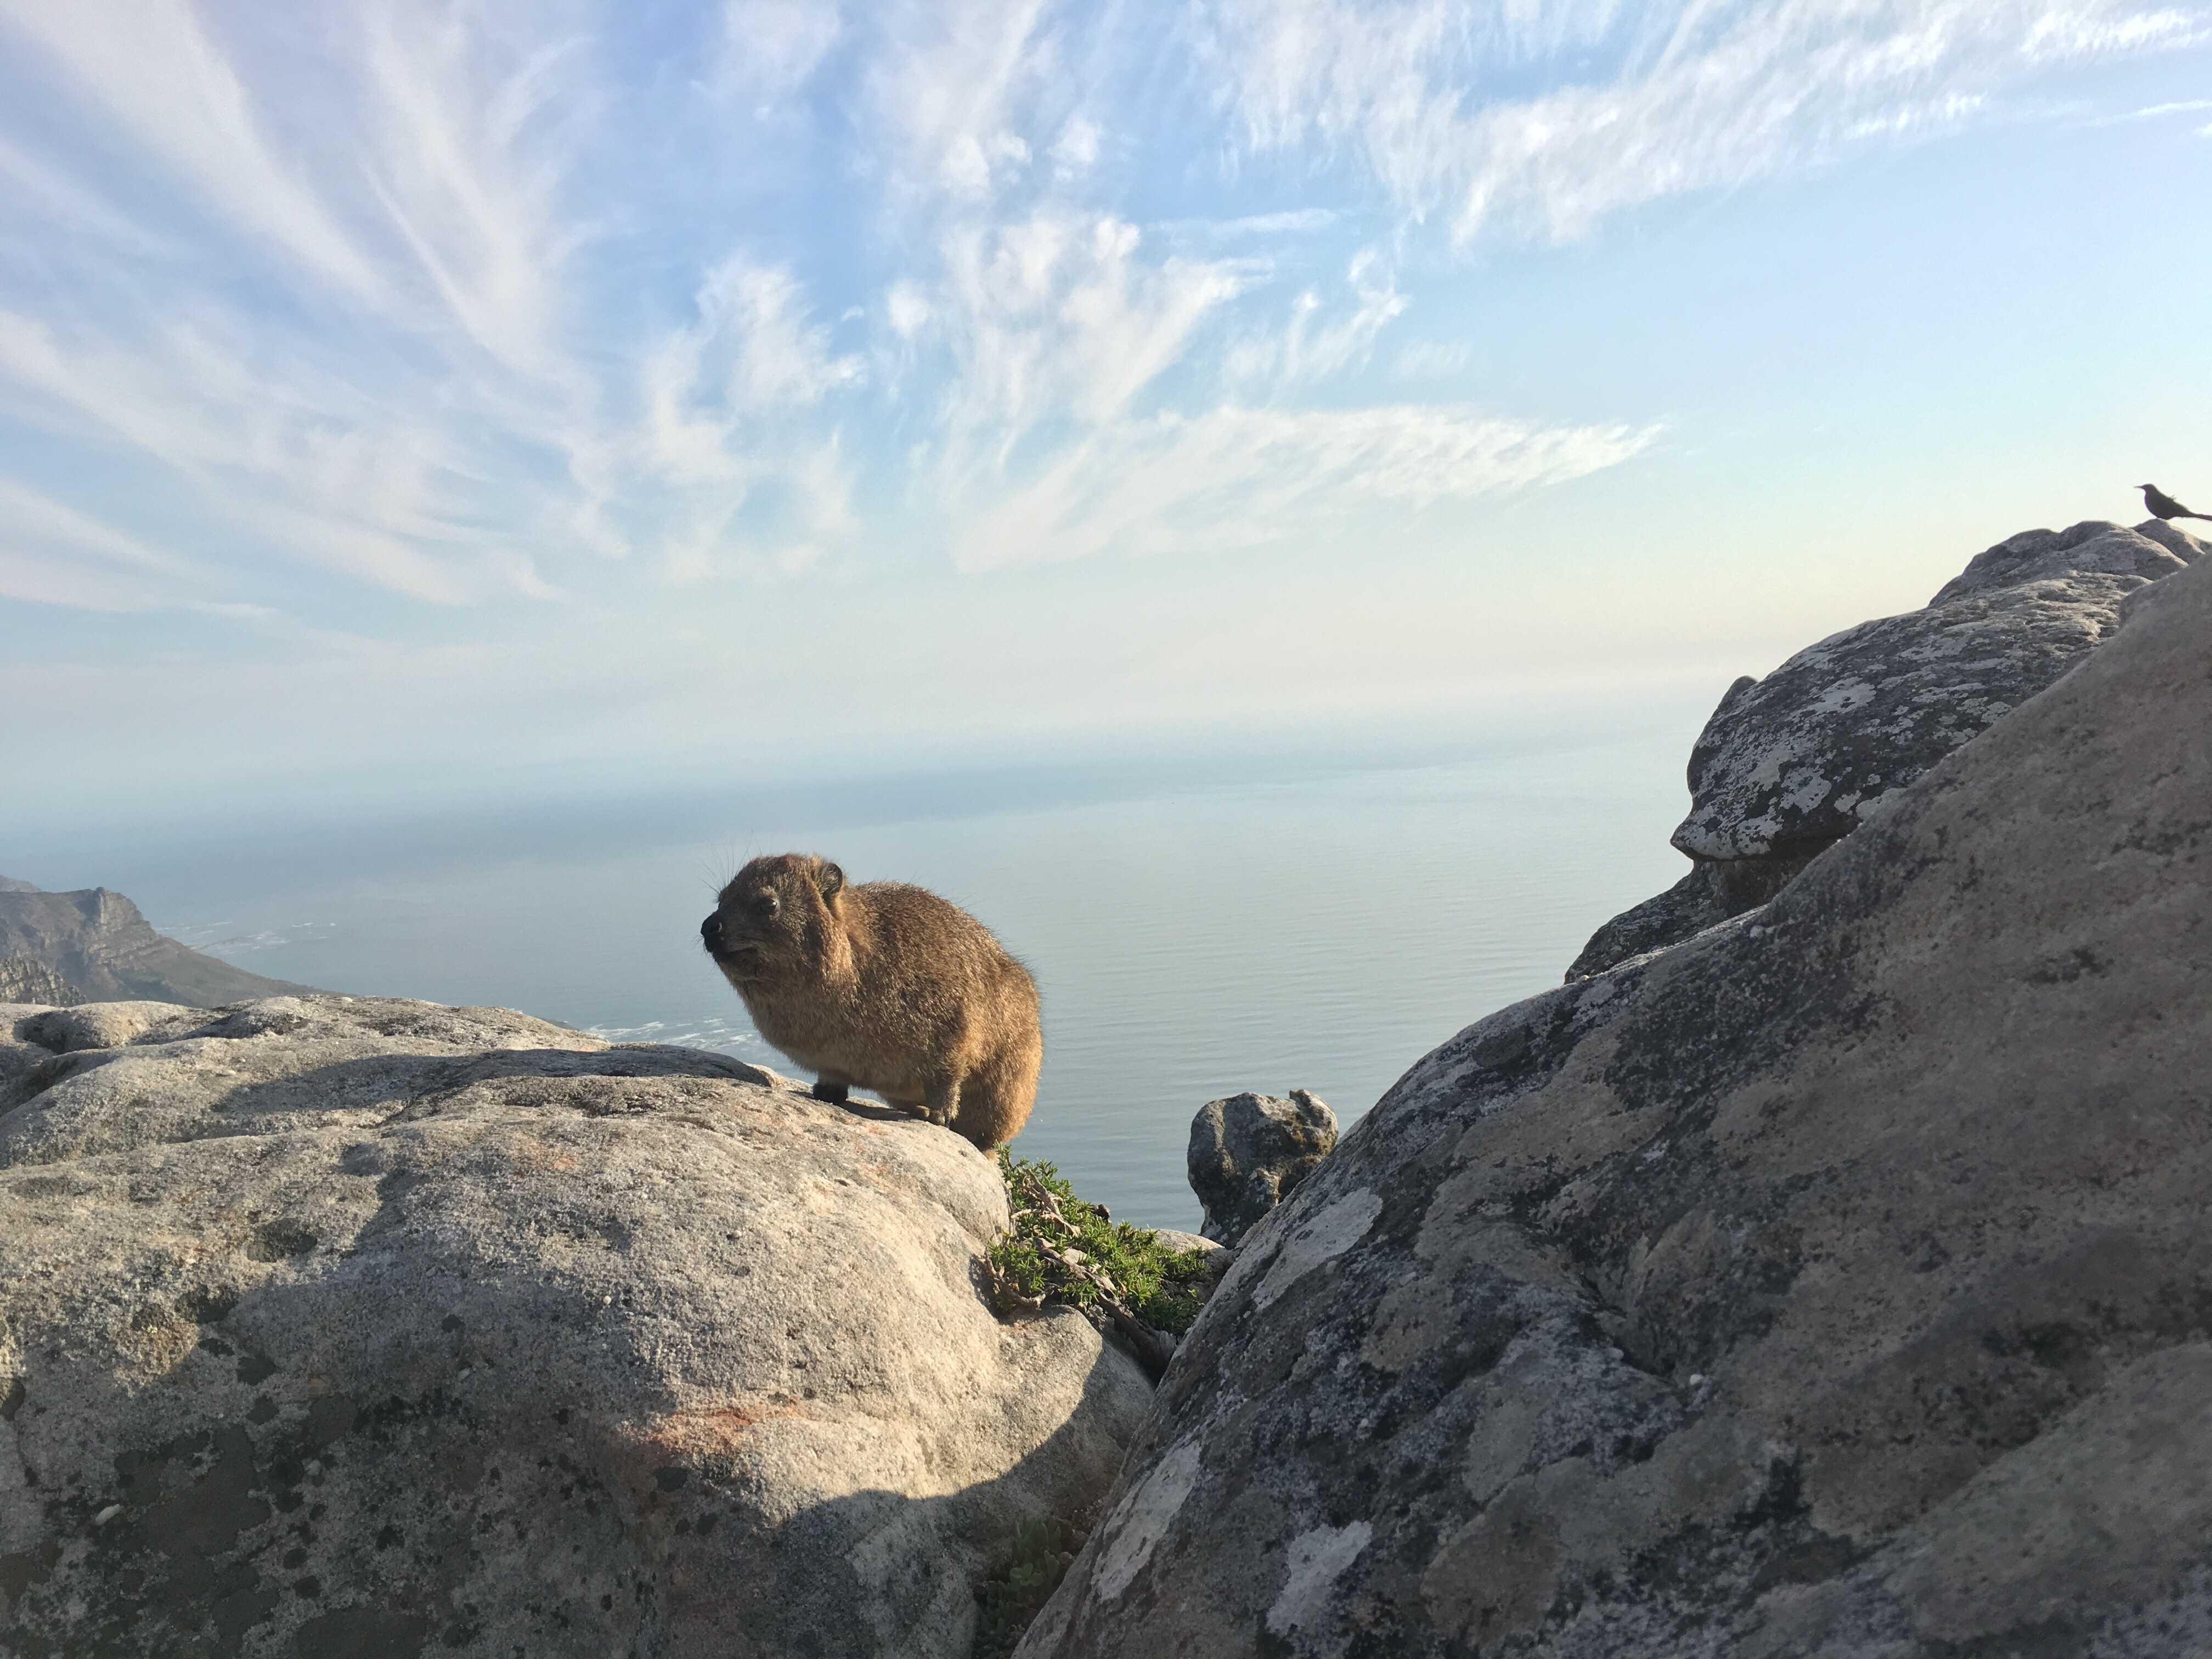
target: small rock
1173 1238
1248 1151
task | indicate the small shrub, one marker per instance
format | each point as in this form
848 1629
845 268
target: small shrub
1063 1250
1041 1557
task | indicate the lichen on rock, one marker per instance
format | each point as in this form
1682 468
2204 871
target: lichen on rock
1837 1282
1248 1153
328 1318
1789 765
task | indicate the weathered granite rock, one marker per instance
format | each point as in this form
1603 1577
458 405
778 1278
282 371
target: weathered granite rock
1248 1151
25 979
97 941
1173 1239
1839 1283
1790 764
1714 890
334 1326
2095 547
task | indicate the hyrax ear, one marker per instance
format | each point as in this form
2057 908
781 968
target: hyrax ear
830 878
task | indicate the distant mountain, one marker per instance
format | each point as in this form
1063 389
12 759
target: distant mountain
23 979
97 942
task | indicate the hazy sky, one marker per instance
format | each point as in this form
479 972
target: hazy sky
441 397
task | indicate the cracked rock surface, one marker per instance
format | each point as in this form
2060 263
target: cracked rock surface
349 1326
1837 1283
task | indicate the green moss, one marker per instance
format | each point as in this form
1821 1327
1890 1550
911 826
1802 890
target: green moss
1041 1555
1063 1250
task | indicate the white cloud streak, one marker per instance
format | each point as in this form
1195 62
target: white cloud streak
52 554
771 48
1705 96
1236 477
429 296
152 70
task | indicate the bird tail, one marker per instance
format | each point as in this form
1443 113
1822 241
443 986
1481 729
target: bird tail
2207 517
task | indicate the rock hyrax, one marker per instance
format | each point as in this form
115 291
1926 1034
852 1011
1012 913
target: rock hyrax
882 986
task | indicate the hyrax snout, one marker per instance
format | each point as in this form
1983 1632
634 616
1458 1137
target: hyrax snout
882 986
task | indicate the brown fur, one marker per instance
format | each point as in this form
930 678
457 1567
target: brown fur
882 986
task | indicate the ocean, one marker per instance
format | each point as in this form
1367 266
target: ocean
1191 939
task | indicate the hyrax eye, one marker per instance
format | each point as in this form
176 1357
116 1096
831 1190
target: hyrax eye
764 904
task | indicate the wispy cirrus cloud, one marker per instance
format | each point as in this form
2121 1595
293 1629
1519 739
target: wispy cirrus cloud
1692 96
1236 477
336 328
771 48
52 554
2153 112
1107 390
721 395
152 71
472 305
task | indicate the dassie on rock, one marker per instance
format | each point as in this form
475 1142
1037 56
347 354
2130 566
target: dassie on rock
882 986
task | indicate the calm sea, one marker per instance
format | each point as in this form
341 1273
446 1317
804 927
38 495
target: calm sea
1190 941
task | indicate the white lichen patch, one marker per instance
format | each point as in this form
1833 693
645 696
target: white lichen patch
1141 1519
1317 1560
1320 1238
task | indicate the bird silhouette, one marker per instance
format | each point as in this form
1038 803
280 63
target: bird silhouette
2163 506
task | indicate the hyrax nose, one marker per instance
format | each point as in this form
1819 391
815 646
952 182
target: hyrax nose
711 931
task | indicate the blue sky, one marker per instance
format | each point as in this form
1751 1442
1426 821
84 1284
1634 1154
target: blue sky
427 398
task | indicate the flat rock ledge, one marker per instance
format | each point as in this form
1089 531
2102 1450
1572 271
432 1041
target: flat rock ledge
1836 1285
336 1325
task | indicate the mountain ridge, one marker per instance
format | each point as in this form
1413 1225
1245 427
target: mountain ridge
98 941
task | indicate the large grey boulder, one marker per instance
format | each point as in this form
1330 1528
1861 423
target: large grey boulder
98 942
334 1326
1247 1152
1790 764
1839 1283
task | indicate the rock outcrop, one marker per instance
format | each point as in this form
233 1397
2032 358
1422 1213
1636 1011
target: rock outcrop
1837 1283
1792 763
98 942
334 1326
25 979
1248 1151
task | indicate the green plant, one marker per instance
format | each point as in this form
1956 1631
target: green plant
1065 1250
1009 1603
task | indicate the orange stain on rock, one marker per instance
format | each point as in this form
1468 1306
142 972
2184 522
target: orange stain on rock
695 1434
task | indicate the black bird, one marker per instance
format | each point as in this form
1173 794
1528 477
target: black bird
2163 506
